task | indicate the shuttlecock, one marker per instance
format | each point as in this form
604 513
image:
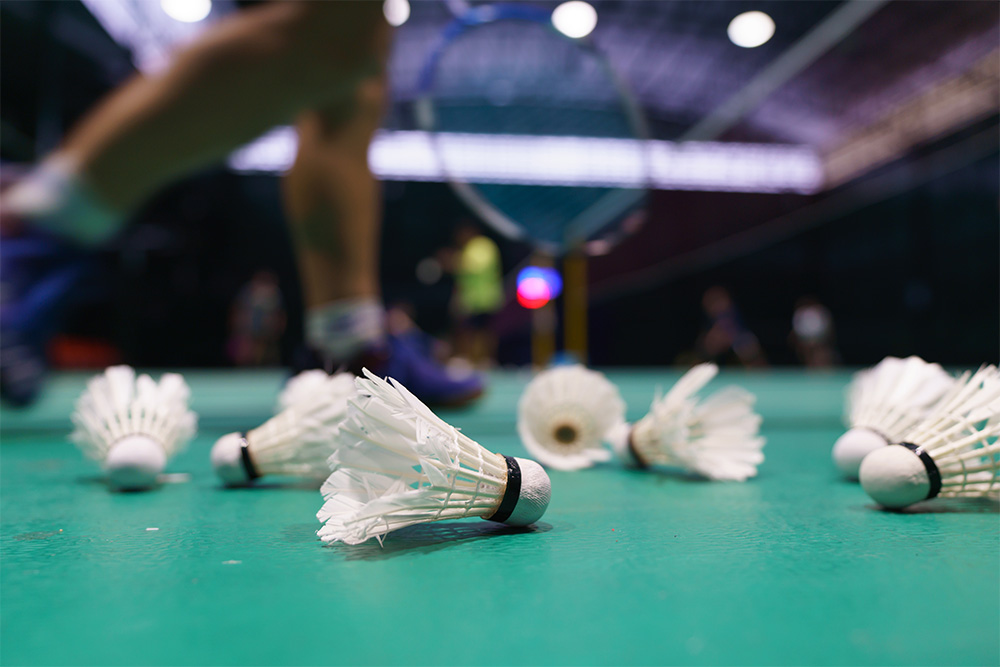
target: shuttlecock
883 403
953 452
133 425
565 415
397 464
295 442
717 438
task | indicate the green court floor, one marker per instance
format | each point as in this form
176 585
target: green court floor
794 567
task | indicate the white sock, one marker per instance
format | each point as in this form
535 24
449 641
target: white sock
54 197
340 329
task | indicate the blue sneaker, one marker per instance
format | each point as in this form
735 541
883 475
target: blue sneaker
406 359
38 278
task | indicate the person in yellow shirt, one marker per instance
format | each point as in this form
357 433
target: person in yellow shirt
478 295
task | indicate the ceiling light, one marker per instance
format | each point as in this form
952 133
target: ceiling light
396 12
566 161
187 11
751 29
574 19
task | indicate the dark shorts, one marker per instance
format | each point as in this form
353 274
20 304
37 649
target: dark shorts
478 321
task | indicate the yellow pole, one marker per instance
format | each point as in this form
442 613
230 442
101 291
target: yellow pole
543 335
575 304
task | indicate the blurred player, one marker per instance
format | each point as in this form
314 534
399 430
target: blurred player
812 334
319 64
478 295
726 333
256 322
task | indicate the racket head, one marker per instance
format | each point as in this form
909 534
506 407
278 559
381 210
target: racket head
503 87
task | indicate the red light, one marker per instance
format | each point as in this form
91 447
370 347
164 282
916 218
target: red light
533 293
531 303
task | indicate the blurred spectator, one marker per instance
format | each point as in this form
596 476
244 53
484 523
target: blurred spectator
257 321
478 294
726 337
812 335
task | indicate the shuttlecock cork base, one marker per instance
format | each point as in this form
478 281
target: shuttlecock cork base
526 494
853 446
900 475
634 457
134 463
232 462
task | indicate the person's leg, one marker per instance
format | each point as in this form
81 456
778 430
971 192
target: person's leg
250 73
253 71
331 181
332 200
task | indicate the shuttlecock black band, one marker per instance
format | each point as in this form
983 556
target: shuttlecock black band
639 462
933 473
248 466
511 494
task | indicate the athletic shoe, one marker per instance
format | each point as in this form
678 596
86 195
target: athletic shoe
38 278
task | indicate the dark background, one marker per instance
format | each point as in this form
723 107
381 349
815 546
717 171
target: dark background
905 258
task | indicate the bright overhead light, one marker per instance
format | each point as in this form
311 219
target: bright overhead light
751 29
575 18
396 12
566 161
187 11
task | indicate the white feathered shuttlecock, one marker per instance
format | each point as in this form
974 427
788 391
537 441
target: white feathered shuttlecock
133 425
953 452
566 414
716 438
301 388
295 442
397 464
883 403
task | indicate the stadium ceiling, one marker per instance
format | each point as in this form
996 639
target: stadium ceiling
858 82
680 62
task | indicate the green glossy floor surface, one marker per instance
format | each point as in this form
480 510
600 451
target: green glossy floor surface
794 567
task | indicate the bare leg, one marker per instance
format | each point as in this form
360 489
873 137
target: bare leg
332 202
256 70
332 198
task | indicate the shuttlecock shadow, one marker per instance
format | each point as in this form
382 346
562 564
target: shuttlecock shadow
945 506
105 483
162 480
431 537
